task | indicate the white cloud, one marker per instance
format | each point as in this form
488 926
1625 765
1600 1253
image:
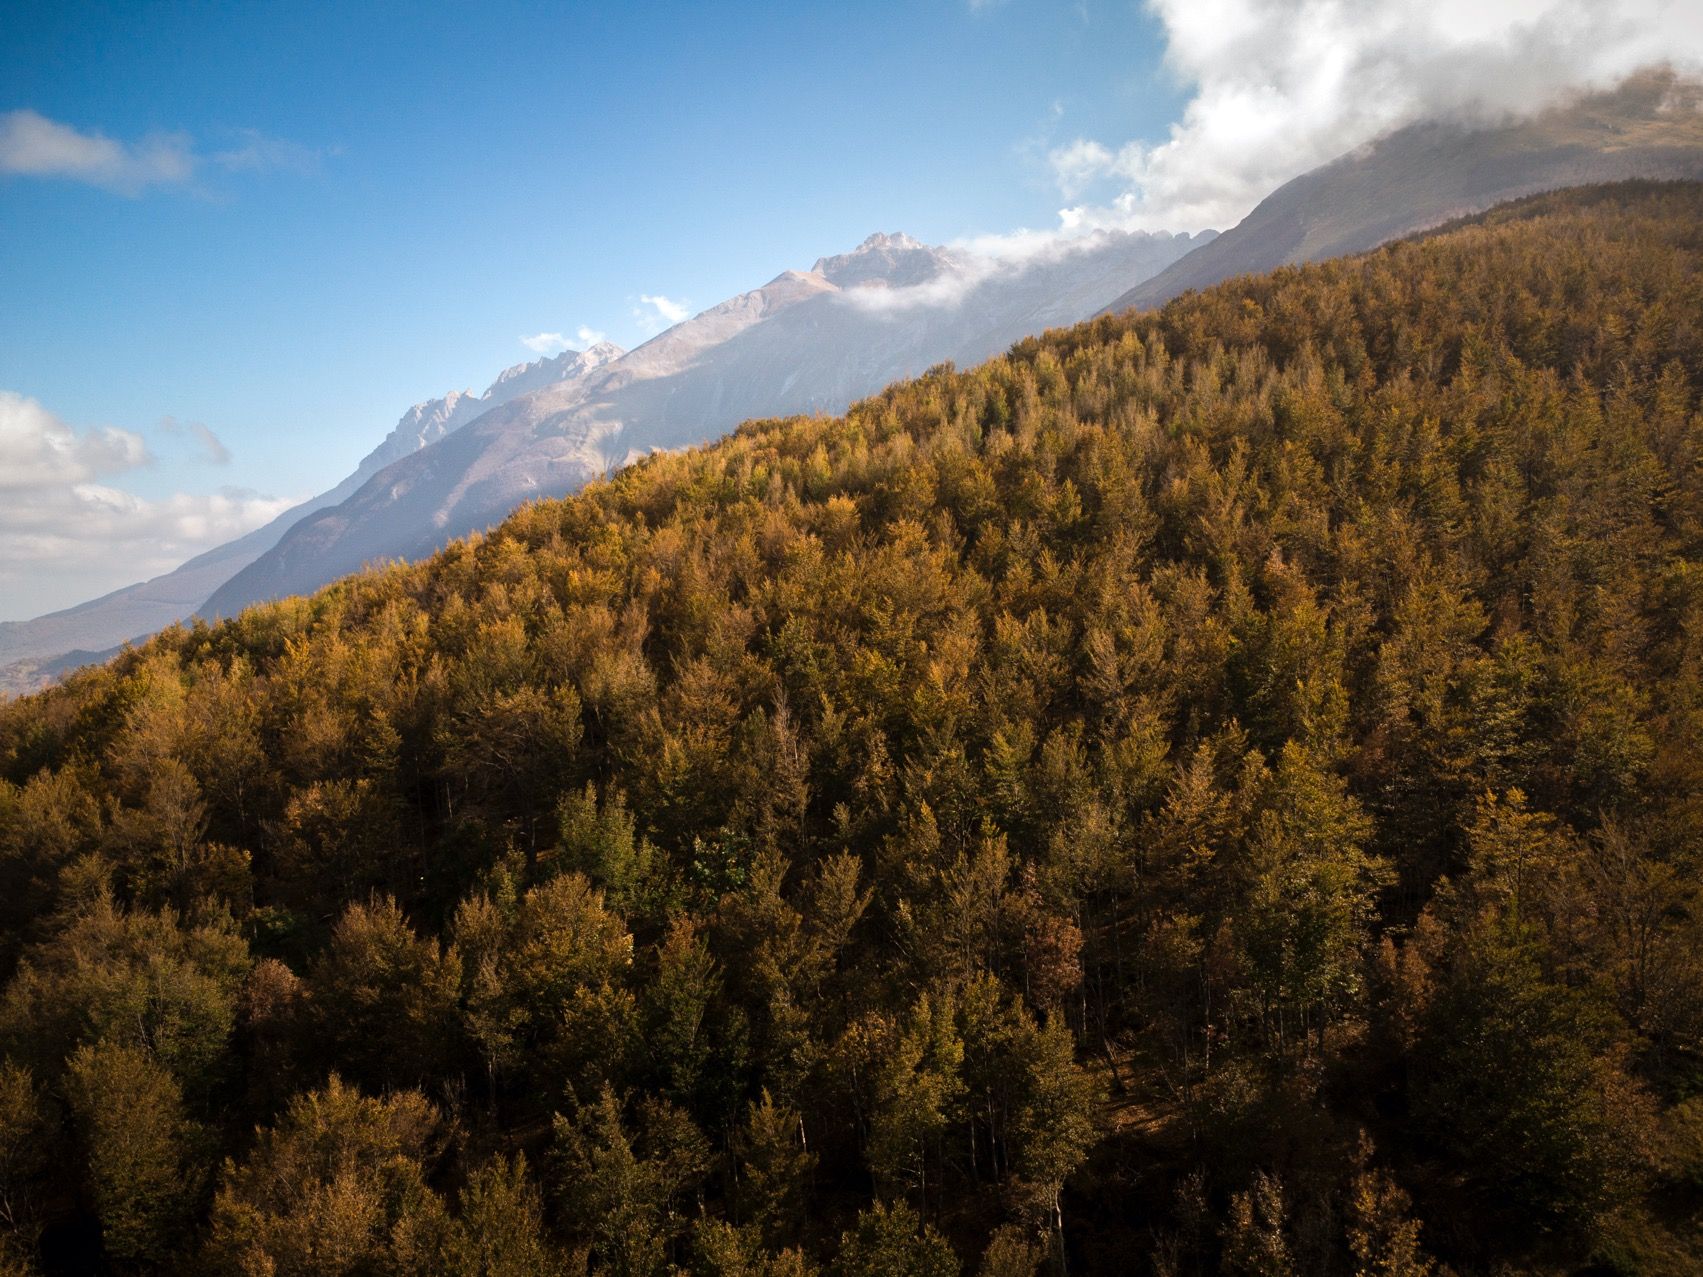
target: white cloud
34 146
37 449
555 343
962 273
31 145
969 263
656 312
211 444
1076 166
66 535
1282 86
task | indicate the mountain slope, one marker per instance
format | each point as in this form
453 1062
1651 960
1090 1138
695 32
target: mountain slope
808 341
1220 783
1651 127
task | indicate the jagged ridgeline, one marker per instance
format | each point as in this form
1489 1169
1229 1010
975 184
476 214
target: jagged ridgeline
1217 790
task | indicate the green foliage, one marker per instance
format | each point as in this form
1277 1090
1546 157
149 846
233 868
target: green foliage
150 980
384 998
622 1189
1011 1254
598 840
726 1250
917 1086
775 1167
336 1187
1255 1242
26 1133
1513 1077
499 1231
890 1241
141 1163
1382 1235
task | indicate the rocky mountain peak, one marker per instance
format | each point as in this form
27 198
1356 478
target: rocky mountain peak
884 261
523 378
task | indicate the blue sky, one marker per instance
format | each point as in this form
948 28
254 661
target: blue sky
238 240
431 184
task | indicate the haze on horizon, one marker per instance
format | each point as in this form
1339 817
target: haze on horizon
235 252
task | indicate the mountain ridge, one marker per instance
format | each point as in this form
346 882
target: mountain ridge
800 343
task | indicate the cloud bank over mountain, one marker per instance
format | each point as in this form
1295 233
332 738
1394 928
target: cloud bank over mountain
1282 86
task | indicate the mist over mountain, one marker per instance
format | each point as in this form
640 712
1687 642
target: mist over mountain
1420 176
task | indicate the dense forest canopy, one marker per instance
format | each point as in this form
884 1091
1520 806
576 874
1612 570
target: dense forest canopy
1217 790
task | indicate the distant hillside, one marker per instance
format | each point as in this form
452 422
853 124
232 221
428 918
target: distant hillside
1211 791
1651 127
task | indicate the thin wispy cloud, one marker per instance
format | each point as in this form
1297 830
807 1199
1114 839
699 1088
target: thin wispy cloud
213 449
1080 164
32 145
1282 86
546 343
256 152
960 276
967 265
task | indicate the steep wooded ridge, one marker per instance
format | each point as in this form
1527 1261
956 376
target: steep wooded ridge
1211 791
816 340
807 341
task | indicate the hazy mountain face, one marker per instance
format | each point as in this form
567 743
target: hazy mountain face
426 423
28 648
886 261
807 341
1419 177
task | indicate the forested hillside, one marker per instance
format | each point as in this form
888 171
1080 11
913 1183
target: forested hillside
1217 790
